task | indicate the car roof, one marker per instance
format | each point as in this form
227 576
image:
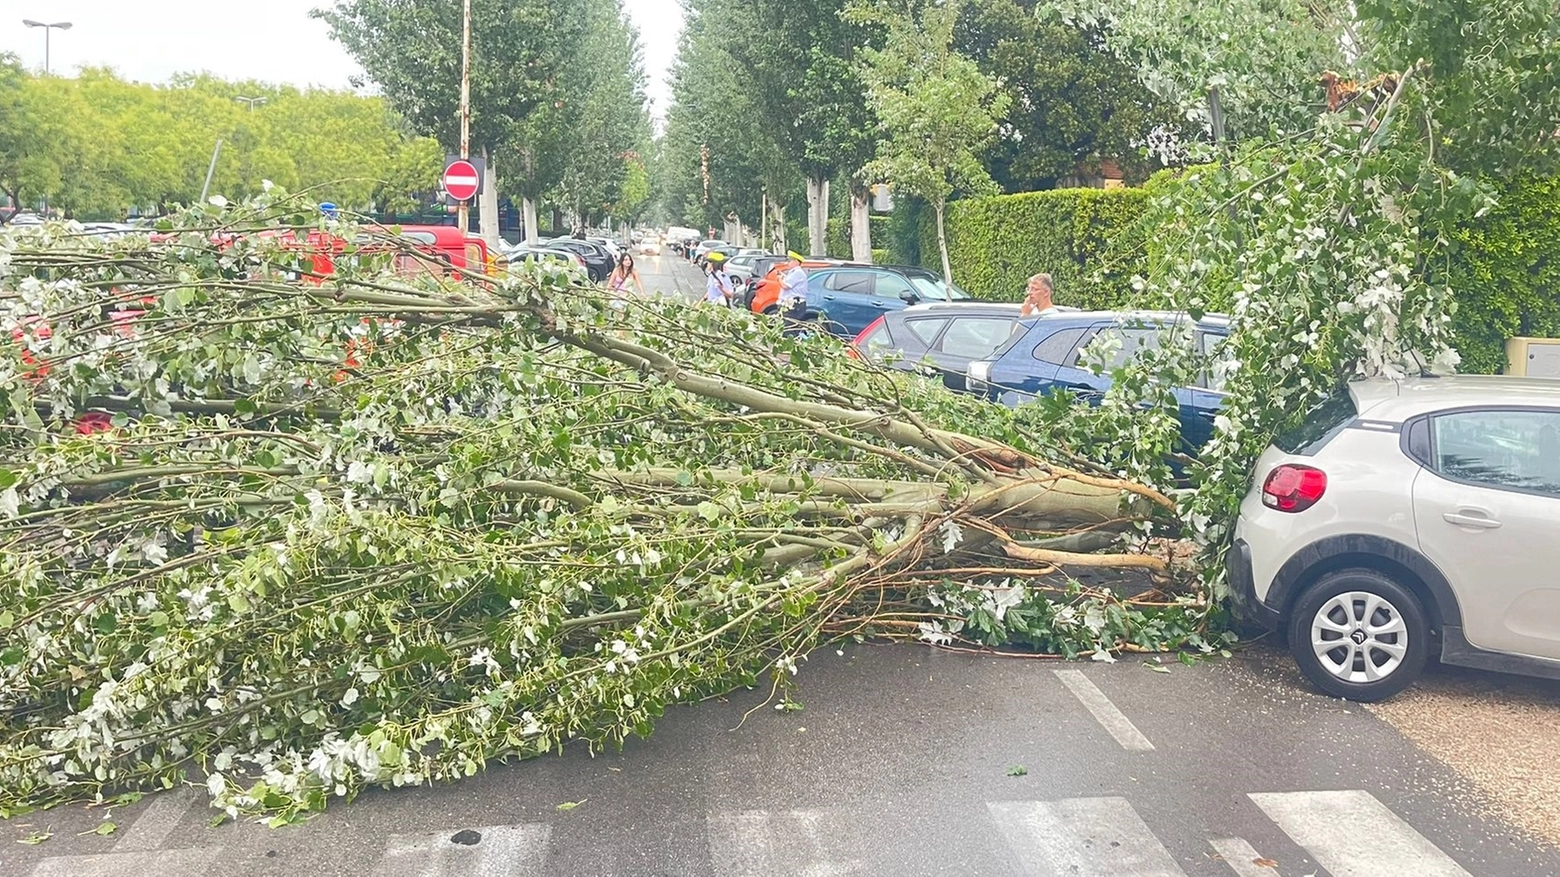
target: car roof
1387 399
964 306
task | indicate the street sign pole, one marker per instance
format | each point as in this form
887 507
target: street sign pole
462 217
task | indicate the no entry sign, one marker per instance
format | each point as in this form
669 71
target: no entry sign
461 180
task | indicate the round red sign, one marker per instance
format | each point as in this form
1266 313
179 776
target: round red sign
460 180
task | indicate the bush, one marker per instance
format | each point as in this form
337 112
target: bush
1504 272
1087 239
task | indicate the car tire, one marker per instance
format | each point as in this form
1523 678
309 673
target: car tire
1380 628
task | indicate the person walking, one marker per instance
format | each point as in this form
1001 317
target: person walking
1037 297
717 283
624 273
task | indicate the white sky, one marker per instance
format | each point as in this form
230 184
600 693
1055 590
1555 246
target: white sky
274 41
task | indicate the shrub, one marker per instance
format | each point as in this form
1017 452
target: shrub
1087 239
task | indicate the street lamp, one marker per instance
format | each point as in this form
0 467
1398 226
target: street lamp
252 101
60 25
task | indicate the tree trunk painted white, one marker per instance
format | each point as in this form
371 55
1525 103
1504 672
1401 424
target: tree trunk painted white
861 224
942 242
528 216
487 206
817 217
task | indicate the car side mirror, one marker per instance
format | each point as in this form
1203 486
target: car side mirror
909 297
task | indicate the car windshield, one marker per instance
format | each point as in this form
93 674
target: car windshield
1332 414
933 288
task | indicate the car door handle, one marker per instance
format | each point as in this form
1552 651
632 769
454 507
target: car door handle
1471 518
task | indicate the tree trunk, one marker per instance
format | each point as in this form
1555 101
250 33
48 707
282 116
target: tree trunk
860 224
528 216
942 241
487 209
817 216
777 226
557 221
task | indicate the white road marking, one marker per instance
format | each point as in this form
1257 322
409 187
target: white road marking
161 817
163 863
1105 712
1242 857
1352 834
762 843
497 851
1082 837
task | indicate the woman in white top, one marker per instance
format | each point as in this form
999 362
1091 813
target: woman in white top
624 273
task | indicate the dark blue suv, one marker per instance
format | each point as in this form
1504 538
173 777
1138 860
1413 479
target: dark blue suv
1046 354
849 298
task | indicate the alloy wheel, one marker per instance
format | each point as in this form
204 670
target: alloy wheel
1359 637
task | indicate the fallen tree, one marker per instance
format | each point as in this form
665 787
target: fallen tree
372 529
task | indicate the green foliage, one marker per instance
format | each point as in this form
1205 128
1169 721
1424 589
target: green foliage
1088 240
839 238
1071 103
1504 272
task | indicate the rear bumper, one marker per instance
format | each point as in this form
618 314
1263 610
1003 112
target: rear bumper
1249 611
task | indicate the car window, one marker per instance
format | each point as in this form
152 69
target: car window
975 337
934 289
859 282
893 286
926 329
1057 347
1321 423
876 341
1517 450
1120 344
1217 362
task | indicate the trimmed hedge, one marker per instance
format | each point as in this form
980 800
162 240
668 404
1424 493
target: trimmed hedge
1089 240
1504 273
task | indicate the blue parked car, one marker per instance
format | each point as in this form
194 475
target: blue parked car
849 298
1046 354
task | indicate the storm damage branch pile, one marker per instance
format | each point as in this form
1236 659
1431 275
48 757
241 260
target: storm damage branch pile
370 529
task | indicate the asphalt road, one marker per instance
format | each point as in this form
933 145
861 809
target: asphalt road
671 274
904 761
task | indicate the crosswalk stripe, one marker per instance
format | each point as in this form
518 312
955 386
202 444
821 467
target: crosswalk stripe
164 863
493 851
1242 857
161 817
1082 837
761 843
1104 712
1352 834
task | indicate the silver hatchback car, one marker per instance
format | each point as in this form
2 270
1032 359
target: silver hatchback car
1404 519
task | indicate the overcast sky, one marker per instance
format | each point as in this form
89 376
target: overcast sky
276 41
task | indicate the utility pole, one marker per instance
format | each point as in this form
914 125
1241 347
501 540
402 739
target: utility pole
210 169
461 216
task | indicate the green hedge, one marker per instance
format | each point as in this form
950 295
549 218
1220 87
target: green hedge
1504 273
1087 239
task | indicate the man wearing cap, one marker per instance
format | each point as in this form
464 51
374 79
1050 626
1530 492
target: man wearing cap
793 287
717 284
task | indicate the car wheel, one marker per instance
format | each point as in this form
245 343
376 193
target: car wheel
1357 634
771 311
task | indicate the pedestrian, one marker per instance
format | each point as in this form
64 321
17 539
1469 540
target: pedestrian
1037 297
624 273
793 287
717 284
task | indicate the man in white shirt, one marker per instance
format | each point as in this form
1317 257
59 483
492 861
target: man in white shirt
1037 297
793 286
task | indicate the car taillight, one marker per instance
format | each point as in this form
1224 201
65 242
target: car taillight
859 344
1293 488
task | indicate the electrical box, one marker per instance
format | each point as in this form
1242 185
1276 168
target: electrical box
1533 357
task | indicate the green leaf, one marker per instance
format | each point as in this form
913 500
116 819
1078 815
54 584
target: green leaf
36 838
570 805
8 478
1017 770
1156 666
104 829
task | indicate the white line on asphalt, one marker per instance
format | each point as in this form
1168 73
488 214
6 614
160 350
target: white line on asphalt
1104 711
794 842
164 863
1242 857
493 851
1082 837
1352 834
161 817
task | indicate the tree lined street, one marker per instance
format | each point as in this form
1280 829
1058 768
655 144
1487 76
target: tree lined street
334 545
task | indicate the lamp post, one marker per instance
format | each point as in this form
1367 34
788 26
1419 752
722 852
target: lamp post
57 25
251 101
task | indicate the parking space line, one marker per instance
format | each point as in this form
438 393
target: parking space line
1082 837
149 830
1352 834
1104 712
491 851
162 863
1242 857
